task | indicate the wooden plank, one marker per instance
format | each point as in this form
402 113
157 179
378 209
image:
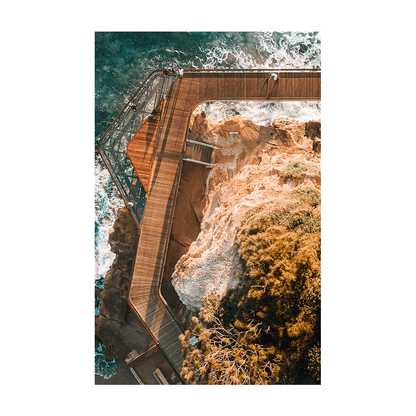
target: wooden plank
240 86
305 86
209 87
284 78
273 88
294 85
317 91
299 80
261 87
258 87
288 91
142 146
222 89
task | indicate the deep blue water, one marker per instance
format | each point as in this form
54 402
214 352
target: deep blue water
124 59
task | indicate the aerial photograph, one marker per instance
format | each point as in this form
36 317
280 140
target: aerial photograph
207 208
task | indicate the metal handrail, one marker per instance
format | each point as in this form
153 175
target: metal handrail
259 70
113 143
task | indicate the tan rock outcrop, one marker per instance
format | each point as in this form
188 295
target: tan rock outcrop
253 165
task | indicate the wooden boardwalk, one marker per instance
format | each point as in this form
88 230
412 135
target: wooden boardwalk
156 154
141 148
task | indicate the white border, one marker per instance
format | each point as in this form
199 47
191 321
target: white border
327 391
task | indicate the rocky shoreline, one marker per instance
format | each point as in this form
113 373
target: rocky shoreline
117 327
250 163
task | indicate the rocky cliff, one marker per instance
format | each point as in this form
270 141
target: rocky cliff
253 165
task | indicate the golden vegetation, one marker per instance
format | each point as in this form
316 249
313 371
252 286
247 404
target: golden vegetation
298 169
267 331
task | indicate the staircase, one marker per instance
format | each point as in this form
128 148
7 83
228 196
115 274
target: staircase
198 152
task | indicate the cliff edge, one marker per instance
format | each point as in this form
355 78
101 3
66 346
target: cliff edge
253 166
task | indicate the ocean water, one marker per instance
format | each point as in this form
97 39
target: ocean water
124 59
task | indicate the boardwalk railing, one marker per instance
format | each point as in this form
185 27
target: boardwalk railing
113 143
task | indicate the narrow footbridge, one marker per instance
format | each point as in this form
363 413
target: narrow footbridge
144 149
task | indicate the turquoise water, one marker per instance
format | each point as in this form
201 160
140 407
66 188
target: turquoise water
123 61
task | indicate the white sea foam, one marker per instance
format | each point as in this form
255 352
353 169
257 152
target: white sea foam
106 204
104 368
290 50
263 113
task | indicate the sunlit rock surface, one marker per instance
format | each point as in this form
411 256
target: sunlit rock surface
253 165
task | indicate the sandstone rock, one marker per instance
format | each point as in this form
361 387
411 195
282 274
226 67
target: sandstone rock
248 162
317 145
200 125
313 129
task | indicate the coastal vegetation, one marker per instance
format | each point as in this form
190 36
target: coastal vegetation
267 330
298 169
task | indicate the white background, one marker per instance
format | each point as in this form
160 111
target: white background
328 390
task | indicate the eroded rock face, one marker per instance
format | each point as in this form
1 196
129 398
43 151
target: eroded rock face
123 236
250 165
313 131
117 327
185 229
